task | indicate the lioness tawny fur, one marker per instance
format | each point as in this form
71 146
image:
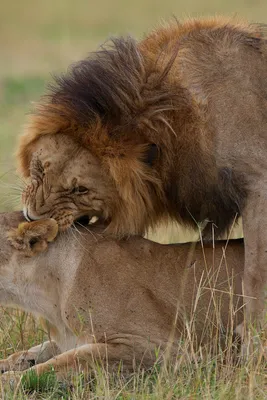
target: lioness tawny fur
108 299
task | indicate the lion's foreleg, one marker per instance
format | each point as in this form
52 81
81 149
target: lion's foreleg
255 271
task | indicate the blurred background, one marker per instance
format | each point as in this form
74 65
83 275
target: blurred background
40 37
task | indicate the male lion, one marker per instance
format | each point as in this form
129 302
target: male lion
175 124
105 298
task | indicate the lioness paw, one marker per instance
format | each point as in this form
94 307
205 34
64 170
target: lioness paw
10 380
33 237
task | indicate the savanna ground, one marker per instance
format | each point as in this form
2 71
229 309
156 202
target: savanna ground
38 37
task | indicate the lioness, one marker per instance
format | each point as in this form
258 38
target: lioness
120 300
175 124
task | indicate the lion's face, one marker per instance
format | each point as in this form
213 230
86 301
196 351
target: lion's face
66 182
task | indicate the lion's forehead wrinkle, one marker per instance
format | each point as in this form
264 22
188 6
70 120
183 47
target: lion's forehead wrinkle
69 158
65 169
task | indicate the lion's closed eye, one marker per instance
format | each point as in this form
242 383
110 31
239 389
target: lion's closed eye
79 190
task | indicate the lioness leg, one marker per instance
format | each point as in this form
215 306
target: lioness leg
255 272
26 359
84 358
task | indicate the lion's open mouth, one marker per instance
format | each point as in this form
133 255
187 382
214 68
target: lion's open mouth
85 220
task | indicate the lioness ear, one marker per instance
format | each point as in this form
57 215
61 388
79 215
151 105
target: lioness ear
151 154
33 237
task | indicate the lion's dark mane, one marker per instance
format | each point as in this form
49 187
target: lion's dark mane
115 84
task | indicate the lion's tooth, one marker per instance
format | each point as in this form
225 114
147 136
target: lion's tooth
93 220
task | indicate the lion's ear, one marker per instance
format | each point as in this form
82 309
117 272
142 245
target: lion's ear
151 154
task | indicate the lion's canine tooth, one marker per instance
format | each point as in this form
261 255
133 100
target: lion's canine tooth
93 220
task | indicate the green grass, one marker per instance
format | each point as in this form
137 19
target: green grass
38 37
18 90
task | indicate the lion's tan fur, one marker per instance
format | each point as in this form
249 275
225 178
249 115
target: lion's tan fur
117 299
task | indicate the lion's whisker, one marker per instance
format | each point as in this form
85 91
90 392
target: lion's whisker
87 229
77 239
74 228
11 186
